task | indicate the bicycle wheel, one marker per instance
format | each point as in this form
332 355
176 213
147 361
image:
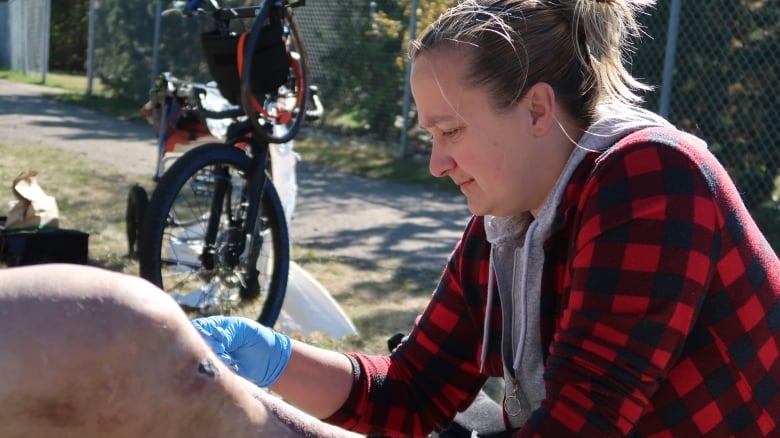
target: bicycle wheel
285 108
190 233
137 201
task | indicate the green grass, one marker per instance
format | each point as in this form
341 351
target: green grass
68 82
74 90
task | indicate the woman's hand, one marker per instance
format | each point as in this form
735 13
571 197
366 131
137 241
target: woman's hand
258 353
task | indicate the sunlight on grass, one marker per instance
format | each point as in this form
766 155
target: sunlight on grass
68 82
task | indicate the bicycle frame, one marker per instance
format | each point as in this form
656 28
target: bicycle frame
250 208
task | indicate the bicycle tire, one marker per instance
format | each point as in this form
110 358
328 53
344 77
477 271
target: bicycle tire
292 97
173 236
137 203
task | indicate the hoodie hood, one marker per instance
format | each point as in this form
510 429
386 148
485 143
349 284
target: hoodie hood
517 259
617 122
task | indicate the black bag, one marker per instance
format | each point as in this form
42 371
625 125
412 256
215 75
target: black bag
47 245
270 64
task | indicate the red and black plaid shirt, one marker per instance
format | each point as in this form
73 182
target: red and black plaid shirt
660 312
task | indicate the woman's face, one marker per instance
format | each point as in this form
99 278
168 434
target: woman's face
498 159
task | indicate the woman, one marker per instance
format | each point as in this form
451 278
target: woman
611 272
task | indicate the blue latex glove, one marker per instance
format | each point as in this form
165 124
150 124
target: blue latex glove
258 353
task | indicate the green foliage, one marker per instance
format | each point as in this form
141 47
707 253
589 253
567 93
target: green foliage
725 84
124 52
364 73
180 49
766 218
364 68
68 42
742 111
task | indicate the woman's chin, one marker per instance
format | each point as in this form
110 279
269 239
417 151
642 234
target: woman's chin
476 208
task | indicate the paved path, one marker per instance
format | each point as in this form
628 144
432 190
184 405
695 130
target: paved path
347 216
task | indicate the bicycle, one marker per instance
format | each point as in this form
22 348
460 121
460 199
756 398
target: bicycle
214 226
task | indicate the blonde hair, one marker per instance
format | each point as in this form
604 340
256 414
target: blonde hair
579 47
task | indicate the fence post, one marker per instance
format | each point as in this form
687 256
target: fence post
46 28
671 47
156 46
407 88
91 46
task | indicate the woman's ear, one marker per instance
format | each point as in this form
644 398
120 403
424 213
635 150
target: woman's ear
541 104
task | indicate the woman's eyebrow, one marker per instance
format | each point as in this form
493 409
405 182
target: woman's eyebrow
429 121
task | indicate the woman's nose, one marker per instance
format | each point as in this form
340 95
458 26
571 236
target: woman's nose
441 163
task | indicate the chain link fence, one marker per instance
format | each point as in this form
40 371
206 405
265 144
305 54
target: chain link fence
724 84
714 64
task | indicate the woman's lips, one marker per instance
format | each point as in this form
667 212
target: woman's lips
464 185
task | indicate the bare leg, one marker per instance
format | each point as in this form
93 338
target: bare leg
88 352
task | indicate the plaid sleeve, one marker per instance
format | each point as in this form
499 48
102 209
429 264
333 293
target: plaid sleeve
434 373
639 266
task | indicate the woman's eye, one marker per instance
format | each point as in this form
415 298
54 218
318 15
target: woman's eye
450 133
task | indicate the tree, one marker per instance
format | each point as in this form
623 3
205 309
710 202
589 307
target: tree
368 62
362 75
68 42
123 49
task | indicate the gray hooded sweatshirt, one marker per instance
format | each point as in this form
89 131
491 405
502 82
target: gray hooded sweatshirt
517 258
